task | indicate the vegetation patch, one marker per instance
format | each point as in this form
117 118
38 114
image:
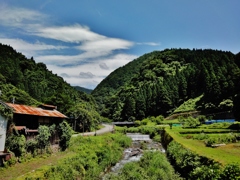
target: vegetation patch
153 165
193 166
196 142
91 157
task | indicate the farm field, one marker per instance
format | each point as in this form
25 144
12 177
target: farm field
225 154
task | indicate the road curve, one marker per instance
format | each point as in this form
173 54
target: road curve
107 128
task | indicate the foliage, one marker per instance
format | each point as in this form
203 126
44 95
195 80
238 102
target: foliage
43 137
193 166
32 83
226 138
16 144
231 172
159 82
153 165
189 105
190 122
186 162
88 91
89 157
32 146
65 133
6 112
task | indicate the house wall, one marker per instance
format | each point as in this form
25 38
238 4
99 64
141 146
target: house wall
3 130
29 121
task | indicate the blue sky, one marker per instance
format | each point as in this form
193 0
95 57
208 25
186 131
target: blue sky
85 40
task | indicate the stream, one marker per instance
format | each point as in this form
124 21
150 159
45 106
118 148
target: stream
140 144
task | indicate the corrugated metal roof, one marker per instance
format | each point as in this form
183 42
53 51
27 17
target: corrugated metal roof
20 127
37 111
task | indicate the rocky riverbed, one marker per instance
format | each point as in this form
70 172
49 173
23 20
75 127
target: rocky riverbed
134 153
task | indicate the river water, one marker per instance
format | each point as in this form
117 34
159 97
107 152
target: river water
140 144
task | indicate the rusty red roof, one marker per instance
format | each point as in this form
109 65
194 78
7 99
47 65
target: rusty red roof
37 111
20 127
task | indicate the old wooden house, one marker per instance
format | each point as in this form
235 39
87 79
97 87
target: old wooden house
27 119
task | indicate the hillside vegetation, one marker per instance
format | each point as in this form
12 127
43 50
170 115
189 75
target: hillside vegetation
31 83
159 82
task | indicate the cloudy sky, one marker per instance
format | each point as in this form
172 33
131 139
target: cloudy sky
85 40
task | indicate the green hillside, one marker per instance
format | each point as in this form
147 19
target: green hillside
82 89
159 82
31 83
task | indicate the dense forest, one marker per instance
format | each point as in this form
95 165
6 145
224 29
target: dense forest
159 82
27 82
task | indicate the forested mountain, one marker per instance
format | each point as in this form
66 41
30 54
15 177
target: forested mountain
31 83
82 89
158 82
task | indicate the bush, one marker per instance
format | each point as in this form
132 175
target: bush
157 138
16 144
231 172
201 136
144 122
190 122
137 123
210 141
31 145
13 160
43 137
201 119
65 134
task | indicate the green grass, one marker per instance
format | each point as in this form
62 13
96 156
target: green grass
224 155
174 121
189 105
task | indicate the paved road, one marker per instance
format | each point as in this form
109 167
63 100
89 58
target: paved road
105 129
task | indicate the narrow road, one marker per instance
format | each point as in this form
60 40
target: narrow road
107 128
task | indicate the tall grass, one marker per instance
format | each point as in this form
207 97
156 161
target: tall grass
91 157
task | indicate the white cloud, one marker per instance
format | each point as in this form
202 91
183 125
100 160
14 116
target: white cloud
91 43
29 49
20 17
105 44
91 73
96 57
86 75
75 33
103 65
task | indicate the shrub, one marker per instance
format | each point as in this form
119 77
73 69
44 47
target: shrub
188 163
210 141
65 133
206 172
231 172
201 136
16 144
157 138
137 123
144 122
190 122
13 160
201 119
43 137
159 119
31 145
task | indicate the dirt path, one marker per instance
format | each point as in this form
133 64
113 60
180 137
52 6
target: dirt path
107 128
